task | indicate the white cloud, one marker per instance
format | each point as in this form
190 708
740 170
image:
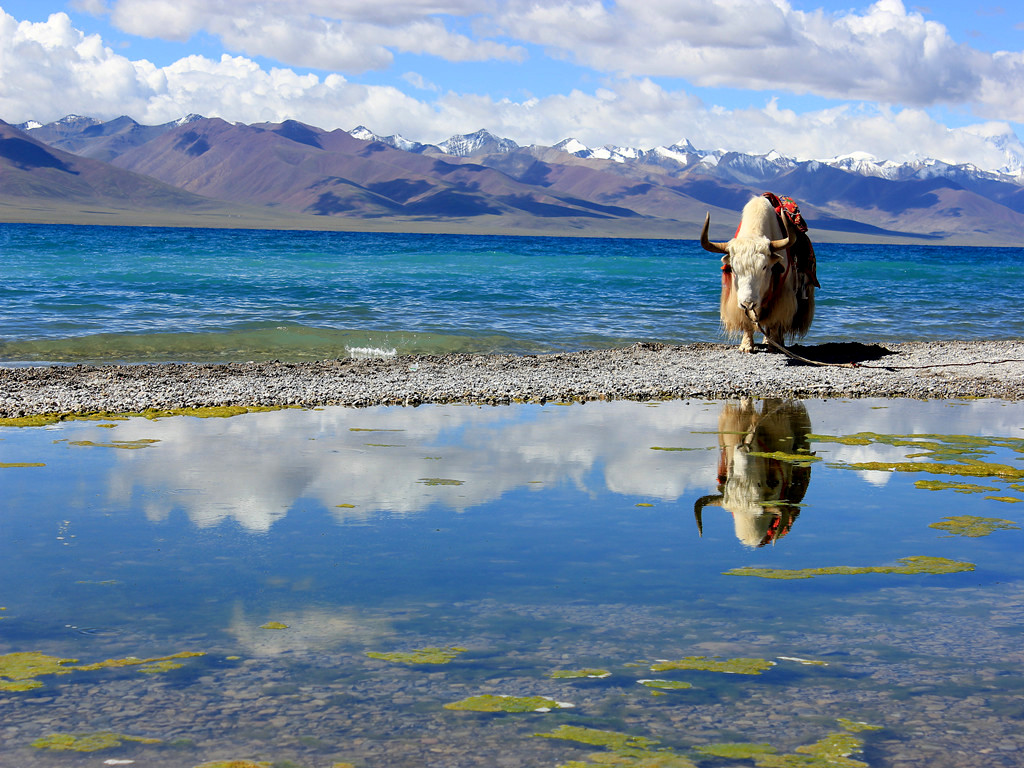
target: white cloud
419 82
883 54
349 37
50 69
42 64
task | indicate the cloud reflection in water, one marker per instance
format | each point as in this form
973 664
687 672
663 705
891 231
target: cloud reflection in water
254 468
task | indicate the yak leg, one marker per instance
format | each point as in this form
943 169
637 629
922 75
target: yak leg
747 342
775 335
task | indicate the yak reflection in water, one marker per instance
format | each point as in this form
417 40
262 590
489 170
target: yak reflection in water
760 487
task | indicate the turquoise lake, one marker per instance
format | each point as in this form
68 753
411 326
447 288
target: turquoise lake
108 294
815 584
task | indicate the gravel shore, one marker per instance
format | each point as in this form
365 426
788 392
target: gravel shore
922 370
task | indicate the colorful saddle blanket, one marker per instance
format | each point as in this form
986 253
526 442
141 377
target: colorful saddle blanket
803 251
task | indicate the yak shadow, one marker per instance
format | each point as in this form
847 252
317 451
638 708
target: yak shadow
839 352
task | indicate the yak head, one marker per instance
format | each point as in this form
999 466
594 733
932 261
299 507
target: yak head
751 261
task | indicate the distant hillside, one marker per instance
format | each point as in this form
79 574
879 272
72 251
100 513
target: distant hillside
39 183
482 183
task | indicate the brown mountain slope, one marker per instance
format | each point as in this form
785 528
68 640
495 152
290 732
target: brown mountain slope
291 175
308 170
41 184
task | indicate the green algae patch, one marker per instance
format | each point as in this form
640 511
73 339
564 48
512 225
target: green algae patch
20 464
968 469
947 454
859 438
1005 499
597 738
665 448
739 666
18 671
208 412
130 445
972 526
87 742
41 420
910 566
439 481
235 764
857 726
666 685
621 749
160 666
943 485
205 412
799 459
835 749
737 751
419 656
491 703
576 674
274 625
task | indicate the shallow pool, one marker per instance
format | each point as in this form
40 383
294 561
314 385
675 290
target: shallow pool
675 583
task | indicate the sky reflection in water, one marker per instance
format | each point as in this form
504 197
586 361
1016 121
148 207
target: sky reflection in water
537 537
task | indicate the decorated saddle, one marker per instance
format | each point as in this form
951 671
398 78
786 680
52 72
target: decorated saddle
803 251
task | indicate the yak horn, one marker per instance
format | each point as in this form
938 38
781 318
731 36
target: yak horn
720 248
714 500
790 241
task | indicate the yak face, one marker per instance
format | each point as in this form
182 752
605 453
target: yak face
751 266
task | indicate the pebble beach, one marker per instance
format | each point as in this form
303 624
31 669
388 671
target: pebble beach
921 370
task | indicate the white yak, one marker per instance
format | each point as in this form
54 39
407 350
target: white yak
761 282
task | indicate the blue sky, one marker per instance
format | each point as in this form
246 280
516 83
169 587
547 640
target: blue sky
808 79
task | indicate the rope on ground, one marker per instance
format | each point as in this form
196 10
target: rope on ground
802 359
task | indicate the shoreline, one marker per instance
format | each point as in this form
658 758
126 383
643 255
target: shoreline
642 371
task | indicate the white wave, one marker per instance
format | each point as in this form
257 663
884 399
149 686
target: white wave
362 353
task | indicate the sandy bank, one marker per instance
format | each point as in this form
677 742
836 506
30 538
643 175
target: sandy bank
638 372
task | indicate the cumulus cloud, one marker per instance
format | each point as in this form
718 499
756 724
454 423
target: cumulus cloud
43 63
883 54
345 36
50 69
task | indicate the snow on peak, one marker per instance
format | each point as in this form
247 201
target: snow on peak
479 142
572 146
362 133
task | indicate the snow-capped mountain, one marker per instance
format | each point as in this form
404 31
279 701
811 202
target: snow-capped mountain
739 166
480 142
750 168
486 181
398 142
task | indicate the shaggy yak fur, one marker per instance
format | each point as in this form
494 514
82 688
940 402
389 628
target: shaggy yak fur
760 278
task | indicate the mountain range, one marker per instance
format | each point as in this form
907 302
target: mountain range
201 171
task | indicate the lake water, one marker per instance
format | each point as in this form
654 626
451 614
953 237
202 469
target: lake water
106 294
525 541
184 591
